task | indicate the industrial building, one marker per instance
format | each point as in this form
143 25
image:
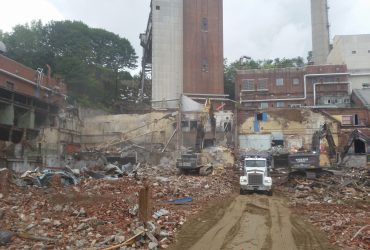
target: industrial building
354 51
35 122
314 86
183 50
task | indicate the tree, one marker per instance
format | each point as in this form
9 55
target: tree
91 61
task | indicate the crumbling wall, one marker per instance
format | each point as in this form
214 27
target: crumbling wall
151 128
299 124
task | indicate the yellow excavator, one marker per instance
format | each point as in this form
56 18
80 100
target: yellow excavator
195 161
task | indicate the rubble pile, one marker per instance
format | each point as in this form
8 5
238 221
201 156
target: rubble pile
99 213
338 204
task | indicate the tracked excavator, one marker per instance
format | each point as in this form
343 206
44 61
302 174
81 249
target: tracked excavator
195 160
309 162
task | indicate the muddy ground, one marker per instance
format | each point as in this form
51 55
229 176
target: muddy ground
250 222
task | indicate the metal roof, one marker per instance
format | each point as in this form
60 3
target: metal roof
364 95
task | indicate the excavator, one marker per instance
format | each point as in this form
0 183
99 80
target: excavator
195 160
309 162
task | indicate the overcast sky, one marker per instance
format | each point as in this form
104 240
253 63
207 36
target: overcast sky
262 29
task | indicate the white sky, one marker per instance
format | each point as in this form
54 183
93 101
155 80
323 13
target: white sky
262 29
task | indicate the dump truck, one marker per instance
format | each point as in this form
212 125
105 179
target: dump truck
256 175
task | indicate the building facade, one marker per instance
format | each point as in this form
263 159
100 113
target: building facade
354 51
325 85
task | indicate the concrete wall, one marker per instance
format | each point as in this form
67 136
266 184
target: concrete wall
141 129
167 51
353 50
320 31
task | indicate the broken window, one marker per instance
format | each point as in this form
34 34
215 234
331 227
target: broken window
185 125
204 24
355 120
360 147
193 125
227 126
277 143
9 85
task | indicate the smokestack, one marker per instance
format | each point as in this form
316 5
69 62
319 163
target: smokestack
320 31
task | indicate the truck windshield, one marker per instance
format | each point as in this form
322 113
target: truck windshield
254 163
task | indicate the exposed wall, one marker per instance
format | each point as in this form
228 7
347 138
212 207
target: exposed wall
143 129
295 124
167 51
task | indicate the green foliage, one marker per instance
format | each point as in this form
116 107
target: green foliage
92 62
231 68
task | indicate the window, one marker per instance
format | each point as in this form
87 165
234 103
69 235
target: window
157 7
204 24
262 84
295 105
248 84
280 104
279 81
205 65
347 120
368 51
355 120
9 85
354 51
296 81
264 105
193 125
227 126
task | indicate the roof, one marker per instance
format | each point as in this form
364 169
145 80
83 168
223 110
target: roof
364 95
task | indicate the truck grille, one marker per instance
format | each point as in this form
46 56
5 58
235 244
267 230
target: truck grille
255 179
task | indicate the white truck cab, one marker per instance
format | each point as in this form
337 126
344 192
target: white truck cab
255 176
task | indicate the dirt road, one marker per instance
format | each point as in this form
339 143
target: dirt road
252 222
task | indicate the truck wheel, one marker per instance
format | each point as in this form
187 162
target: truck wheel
241 191
269 193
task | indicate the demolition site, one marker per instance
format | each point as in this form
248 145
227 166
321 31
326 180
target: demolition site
283 165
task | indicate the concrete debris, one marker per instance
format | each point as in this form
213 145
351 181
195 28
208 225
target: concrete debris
99 213
336 203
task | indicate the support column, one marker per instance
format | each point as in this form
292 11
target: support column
7 114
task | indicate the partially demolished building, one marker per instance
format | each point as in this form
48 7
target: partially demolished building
35 121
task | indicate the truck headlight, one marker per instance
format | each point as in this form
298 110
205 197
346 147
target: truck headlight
268 180
243 180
